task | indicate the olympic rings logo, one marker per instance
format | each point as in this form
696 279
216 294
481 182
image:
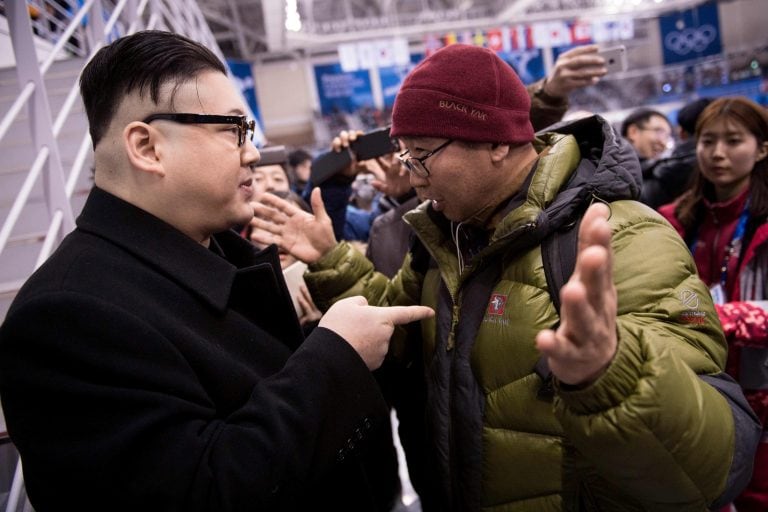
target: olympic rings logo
690 39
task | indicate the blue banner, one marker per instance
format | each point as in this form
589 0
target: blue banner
529 64
342 91
392 78
691 34
242 73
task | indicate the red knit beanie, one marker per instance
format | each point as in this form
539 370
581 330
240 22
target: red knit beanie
463 92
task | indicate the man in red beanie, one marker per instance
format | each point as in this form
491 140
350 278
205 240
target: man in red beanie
599 397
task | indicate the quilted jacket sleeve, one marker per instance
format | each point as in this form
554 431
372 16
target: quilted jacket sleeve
651 424
345 272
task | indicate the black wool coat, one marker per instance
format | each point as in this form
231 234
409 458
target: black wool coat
140 370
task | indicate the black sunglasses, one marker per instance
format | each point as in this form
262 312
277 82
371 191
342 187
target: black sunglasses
243 124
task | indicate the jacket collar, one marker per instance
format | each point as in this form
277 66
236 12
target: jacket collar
725 211
209 273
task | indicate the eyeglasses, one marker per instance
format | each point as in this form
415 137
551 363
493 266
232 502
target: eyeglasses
243 125
416 165
659 132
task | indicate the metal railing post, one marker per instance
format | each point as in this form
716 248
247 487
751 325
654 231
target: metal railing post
41 120
95 27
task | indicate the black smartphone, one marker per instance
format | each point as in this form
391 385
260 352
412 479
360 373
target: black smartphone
374 144
369 145
328 164
272 155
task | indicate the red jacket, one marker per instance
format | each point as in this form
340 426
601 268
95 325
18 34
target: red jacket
745 324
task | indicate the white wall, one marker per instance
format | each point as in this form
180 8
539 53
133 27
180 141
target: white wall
743 24
286 99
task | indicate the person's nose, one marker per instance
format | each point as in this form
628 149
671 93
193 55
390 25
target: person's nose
249 154
417 181
718 151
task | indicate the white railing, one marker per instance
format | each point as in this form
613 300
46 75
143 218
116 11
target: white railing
75 28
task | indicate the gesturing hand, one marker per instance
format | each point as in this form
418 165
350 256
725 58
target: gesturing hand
304 235
393 179
586 341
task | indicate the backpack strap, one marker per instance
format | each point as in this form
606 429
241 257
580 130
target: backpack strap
558 255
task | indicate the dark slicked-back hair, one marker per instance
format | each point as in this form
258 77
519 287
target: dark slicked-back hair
639 117
143 62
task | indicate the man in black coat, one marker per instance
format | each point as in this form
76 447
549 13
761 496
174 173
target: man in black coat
155 362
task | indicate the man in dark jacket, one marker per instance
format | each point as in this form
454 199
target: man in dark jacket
155 362
635 351
665 179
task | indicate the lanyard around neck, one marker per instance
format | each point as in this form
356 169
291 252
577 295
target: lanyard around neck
731 248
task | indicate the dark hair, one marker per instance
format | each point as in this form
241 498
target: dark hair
689 114
297 156
144 61
639 117
753 118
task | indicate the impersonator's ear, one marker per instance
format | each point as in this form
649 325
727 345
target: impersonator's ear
140 142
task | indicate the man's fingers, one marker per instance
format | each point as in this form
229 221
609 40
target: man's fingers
357 300
379 186
580 50
546 343
277 203
316 201
586 61
595 274
551 344
398 315
590 230
263 213
576 312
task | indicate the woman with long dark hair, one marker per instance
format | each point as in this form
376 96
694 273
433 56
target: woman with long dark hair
724 220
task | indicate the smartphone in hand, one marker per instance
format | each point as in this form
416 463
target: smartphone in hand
373 144
369 145
615 58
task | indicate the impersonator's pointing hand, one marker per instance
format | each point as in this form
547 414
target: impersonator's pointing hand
369 328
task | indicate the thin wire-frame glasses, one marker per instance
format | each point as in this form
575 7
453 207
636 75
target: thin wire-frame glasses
243 124
416 165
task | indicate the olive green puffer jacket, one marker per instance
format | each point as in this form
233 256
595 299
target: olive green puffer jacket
649 434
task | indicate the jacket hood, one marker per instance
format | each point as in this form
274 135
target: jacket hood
599 165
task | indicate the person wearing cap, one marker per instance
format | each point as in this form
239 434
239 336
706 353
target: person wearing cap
619 402
666 179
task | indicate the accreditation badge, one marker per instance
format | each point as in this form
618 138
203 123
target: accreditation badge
718 294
